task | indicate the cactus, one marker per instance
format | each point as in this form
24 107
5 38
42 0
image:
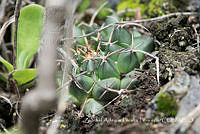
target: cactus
108 60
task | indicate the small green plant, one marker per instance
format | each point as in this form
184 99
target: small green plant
106 62
152 8
131 4
159 8
28 41
167 104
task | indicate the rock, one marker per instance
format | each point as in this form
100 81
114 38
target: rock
184 90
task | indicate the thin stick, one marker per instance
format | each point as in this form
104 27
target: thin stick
5 26
109 103
17 13
150 55
8 101
82 109
160 18
125 11
4 128
97 11
196 33
89 34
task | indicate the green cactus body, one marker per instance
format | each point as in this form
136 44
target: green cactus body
103 59
79 87
129 81
144 43
122 37
127 61
108 69
100 93
112 48
93 106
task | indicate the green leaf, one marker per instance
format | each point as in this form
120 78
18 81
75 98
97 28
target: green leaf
24 76
127 61
144 43
128 81
3 77
28 34
108 69
93 107
99 89
9 67
79 87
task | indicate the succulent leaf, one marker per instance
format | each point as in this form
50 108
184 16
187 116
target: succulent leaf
24 76
8 66
28 34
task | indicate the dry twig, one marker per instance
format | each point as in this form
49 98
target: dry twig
43 98
5 26
17 13
97 11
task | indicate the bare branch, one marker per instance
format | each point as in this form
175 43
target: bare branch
43 98
160 18
5 26
17 13
95 14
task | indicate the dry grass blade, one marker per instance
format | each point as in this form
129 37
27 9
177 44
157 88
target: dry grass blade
17 13
5 26
95 14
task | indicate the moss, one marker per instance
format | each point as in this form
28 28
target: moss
131 4
84 5
167 104
152 8
160 7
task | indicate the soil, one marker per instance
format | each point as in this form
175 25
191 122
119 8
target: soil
175 40
127 114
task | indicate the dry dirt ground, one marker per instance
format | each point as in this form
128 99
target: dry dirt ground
127 114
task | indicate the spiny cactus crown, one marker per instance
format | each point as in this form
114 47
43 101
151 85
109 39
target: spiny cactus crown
106 62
